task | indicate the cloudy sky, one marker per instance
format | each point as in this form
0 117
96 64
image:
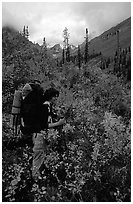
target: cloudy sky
48 19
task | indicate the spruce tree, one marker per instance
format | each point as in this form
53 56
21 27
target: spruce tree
44 48
79 57
27 32
44 44
24 31
63 56
66 45
86 47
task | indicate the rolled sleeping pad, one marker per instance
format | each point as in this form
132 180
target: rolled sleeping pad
16 102
14 123
15 112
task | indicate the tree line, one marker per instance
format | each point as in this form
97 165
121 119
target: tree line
121 63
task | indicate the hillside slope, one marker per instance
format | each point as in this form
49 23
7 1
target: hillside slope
22 61
106 43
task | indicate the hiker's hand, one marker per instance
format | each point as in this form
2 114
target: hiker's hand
62 121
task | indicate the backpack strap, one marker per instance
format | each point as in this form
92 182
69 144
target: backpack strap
49 111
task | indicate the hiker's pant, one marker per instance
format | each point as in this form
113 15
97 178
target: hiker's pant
39 152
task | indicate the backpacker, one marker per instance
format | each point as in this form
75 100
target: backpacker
32 111
29 109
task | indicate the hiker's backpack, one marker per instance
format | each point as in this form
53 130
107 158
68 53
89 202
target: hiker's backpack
32 111
28 112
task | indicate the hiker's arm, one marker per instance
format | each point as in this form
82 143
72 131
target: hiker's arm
53 124
59 123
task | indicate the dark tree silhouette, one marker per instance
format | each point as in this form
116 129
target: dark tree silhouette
79 57
86 47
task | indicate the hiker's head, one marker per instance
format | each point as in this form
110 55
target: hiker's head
51 95
26 90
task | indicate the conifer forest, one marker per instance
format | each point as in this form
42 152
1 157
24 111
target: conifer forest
89 157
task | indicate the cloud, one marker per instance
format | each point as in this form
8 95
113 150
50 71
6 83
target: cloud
8 19
48 19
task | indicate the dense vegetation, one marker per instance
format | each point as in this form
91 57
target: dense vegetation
88 159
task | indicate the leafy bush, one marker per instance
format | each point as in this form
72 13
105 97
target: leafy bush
85 161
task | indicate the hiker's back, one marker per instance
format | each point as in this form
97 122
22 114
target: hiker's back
32 110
